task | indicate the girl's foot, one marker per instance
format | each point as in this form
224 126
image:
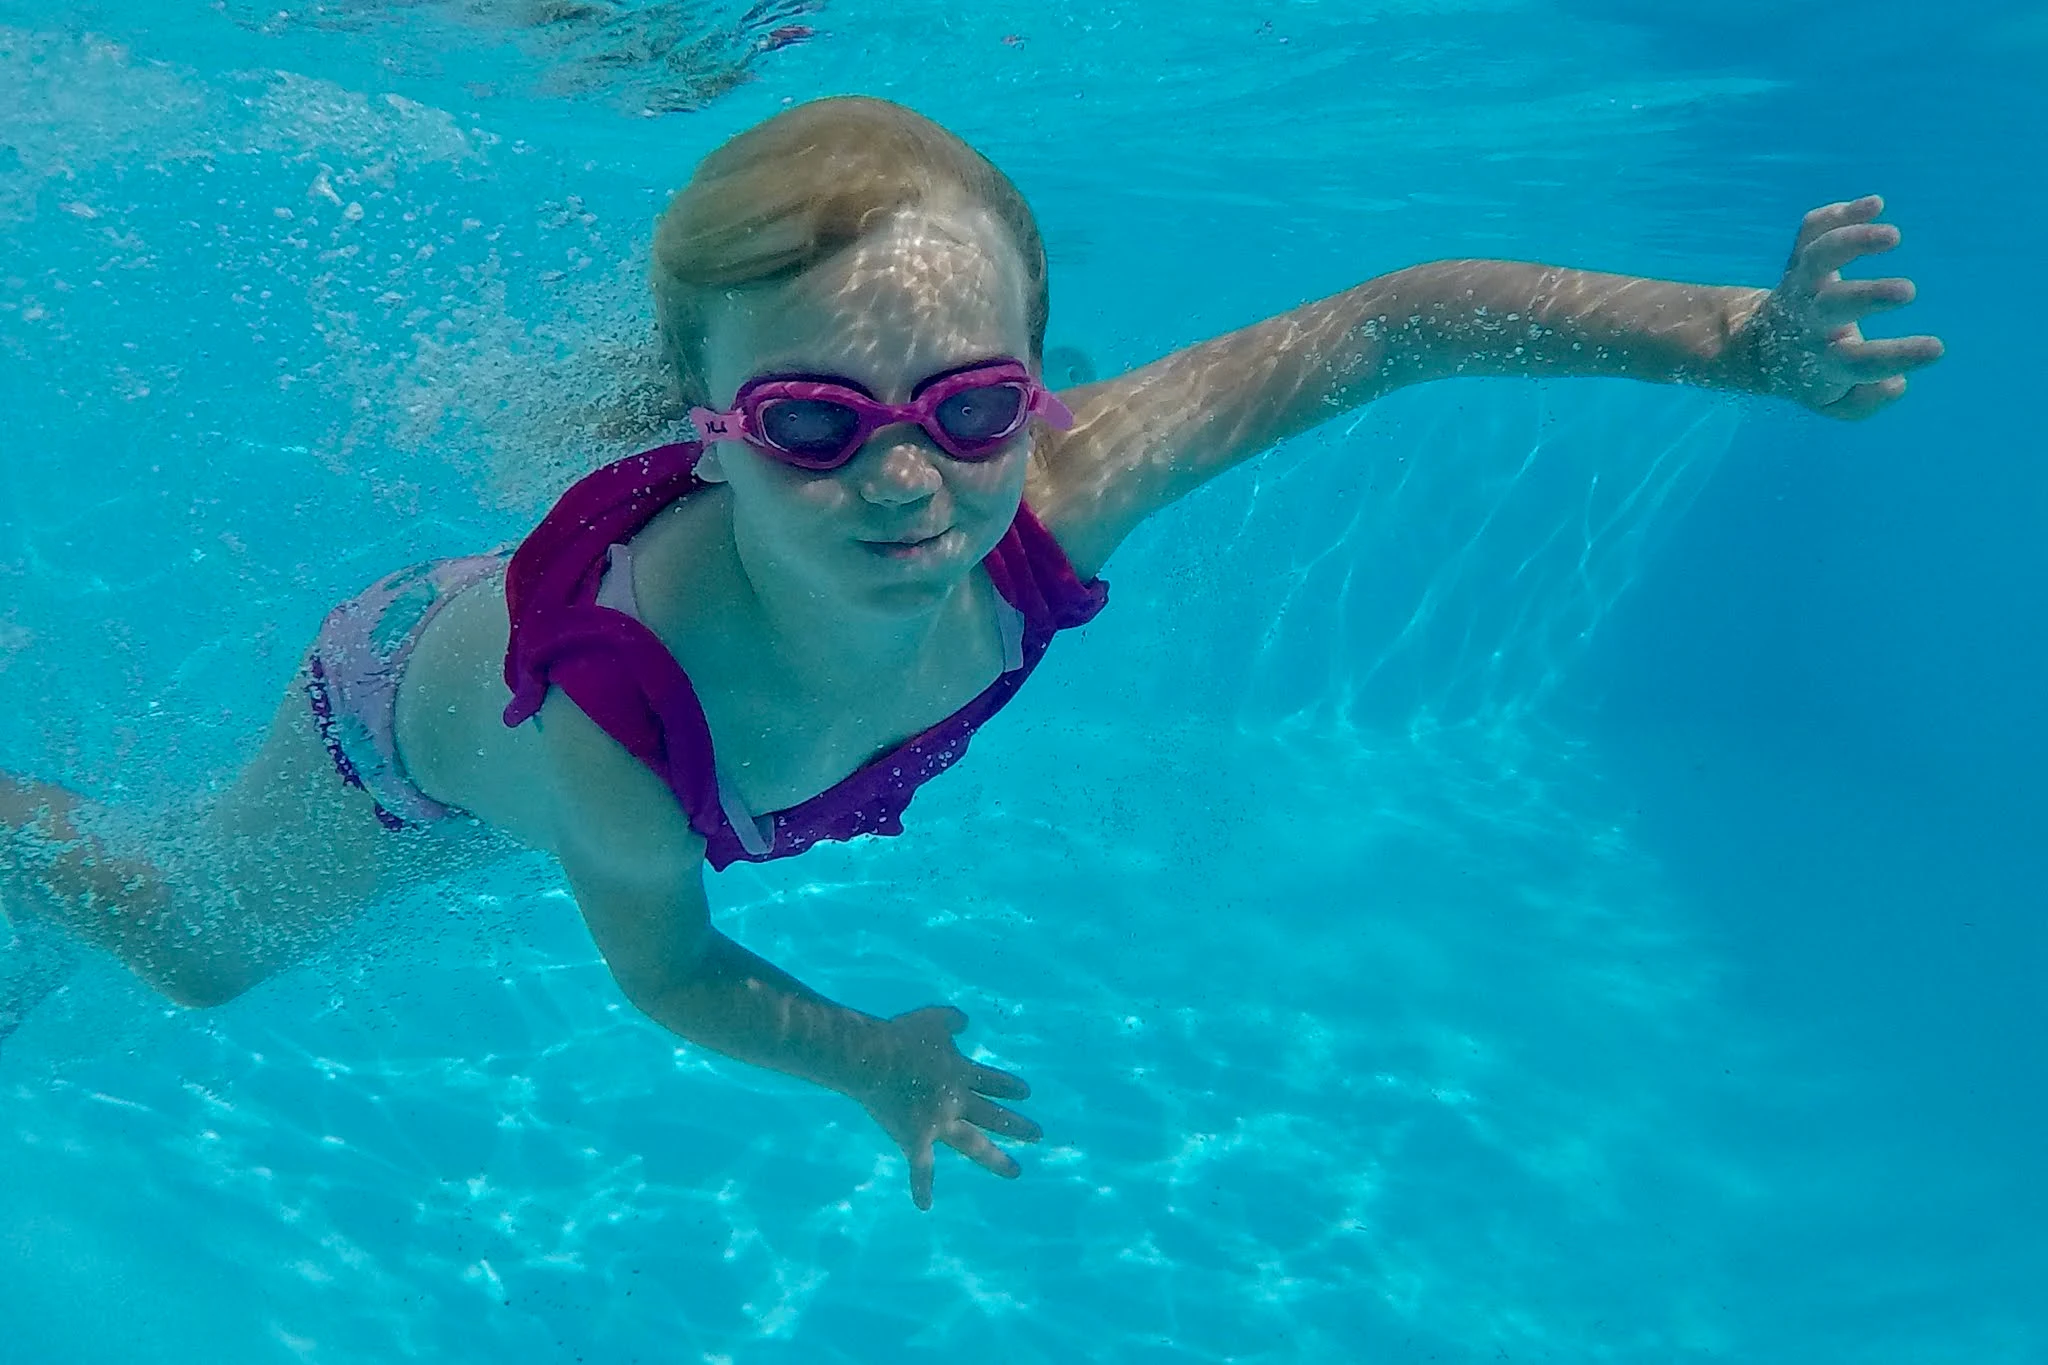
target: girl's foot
35 957
35 960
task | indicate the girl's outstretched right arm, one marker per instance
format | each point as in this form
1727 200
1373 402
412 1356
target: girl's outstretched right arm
636 868
1147 438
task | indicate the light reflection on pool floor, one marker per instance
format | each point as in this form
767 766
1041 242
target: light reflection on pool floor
1381 1052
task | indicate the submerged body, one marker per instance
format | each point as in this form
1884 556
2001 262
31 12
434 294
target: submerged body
827 603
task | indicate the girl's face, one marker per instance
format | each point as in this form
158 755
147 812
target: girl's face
896 528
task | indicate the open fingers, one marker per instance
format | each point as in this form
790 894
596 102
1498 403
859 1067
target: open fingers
921 1164
1841 302
1865 399
1857 359
998 1120
973 1144
1828 217
1001 1085
1834 249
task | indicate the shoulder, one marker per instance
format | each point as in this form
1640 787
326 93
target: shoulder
1085 484
606 807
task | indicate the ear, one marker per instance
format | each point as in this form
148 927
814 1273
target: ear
710 465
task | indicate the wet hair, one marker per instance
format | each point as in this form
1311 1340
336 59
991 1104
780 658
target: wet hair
786 194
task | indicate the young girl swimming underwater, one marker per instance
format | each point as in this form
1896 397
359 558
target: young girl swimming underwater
729 651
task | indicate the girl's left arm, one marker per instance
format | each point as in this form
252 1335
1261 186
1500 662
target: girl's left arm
1149 437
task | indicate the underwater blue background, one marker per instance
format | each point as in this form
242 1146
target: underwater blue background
1525 872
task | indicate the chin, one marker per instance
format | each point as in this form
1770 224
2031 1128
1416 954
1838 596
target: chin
907 579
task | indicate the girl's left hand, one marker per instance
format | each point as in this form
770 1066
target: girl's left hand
1805 340
923 1091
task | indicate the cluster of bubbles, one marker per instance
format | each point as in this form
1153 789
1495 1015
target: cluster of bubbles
648 57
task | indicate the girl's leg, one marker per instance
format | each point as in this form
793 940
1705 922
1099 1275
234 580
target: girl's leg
35 960
238 887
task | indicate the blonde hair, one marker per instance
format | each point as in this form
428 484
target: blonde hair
782 196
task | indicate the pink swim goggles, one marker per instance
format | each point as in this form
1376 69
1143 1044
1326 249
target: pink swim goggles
818 423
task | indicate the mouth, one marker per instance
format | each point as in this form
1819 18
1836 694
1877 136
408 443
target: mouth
911 546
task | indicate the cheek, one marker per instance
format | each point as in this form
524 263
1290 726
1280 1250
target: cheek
993 486
768 493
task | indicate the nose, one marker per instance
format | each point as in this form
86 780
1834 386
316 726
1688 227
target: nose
899 474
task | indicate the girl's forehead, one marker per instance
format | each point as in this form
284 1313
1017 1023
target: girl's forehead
925 292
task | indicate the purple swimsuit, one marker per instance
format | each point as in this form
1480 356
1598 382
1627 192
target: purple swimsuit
352 673
575 626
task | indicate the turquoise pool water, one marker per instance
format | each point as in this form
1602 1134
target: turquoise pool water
1529 872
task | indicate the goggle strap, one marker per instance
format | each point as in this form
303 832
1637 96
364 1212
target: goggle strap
719 426
1046 406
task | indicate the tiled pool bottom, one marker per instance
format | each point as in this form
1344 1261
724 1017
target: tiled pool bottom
1340 1053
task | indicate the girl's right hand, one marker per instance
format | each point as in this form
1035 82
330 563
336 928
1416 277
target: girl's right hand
922 1090
1806 340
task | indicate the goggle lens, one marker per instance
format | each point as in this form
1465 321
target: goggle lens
984 416
808 423
813 429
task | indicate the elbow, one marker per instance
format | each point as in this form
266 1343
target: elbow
661 989
204 983
649 992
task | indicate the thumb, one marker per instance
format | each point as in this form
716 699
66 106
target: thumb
920 1154
1865 399
951 1017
